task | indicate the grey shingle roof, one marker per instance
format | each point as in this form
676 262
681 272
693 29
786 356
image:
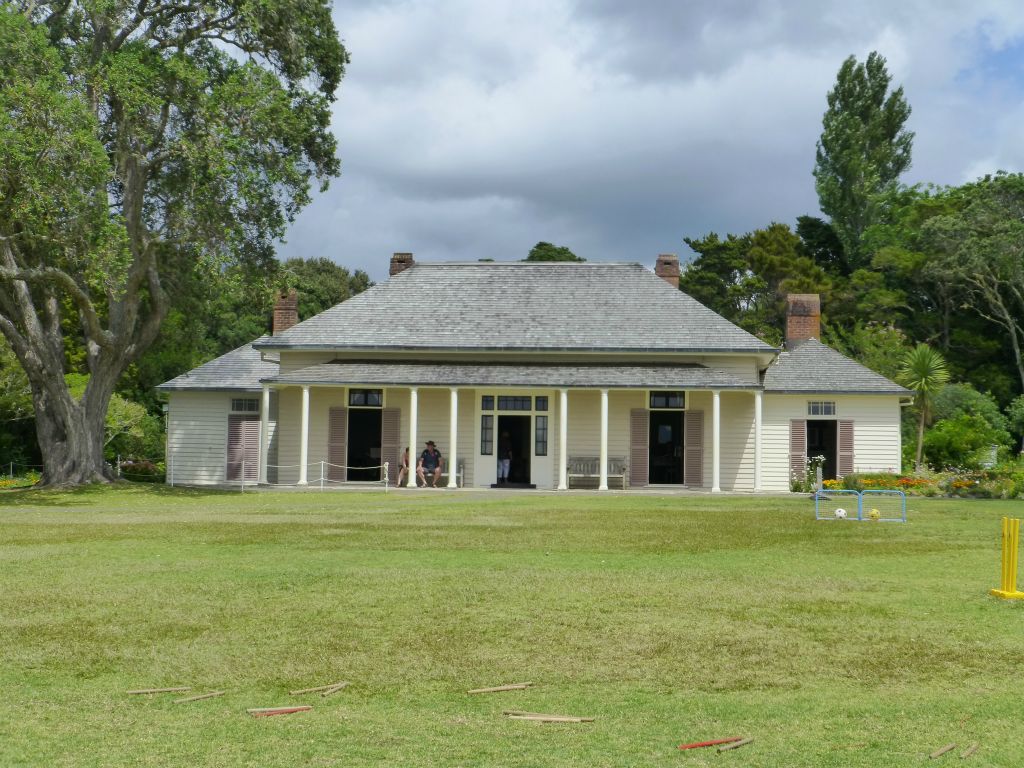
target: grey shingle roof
813 368
521 306
240 368
690 376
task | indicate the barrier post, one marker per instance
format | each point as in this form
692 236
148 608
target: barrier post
322 475
243 476
11 475
170 467
1008 577
118 469
387 480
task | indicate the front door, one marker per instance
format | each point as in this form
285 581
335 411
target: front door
364 444
822 440
666 448
516 430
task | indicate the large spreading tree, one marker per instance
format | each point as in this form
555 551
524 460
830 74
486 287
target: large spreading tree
143 144
863 149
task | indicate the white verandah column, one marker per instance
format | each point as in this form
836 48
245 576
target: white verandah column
758 397
304 437
453 428
563 439
716 440
414 450
264 433
603 477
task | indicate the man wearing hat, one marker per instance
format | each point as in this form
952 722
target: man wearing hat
430 461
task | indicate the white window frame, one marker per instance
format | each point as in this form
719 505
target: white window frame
822 408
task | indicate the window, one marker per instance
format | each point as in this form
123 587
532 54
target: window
541 436
487 403
668 400
367 398
821 408
245 405
540 403
487 434
509 403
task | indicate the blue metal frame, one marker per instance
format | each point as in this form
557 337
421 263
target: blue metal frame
821 496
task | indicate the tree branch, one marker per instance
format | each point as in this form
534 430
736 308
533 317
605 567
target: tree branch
54 276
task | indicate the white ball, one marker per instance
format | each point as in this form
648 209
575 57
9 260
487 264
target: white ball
840 514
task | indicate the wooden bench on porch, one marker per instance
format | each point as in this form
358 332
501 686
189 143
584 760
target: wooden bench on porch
442 481
589 468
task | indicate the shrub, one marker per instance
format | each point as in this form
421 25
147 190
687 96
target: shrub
963 441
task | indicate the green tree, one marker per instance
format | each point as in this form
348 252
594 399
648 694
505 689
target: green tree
543 251
965 440
746 278
924 371
1015 414
980 245
863 149
321 284
139 143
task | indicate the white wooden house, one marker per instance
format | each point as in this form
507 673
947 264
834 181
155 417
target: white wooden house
590 373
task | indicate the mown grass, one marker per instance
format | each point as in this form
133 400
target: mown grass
669 619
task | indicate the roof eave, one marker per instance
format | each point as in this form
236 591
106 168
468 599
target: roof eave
759 350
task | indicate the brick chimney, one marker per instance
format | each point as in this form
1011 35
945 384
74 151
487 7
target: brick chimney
667 268
803 318
400 262
286 311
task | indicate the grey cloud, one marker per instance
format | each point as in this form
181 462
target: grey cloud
473 130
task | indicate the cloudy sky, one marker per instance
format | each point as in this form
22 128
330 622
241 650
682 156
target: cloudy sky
475 128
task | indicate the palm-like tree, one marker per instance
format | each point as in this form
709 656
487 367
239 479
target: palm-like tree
924 371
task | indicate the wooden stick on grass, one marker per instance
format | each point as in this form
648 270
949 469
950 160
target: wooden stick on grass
497 688
200 697
311 690
941 751
540 718
334 688
269 711
712 743
970 750
158 690
735 745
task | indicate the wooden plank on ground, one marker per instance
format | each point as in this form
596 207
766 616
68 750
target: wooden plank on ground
970 750
200 697
498 688
318 689
269 711
735 745
542 718
159 690
335 688
941 751
711 743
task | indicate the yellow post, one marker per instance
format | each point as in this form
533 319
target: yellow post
1011 540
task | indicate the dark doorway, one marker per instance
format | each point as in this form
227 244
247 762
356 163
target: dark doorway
364 433
822 440
666 448
518 430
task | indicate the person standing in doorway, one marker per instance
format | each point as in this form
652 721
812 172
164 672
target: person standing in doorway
504 457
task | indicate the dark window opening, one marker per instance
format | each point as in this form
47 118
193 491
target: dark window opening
368 398
668 399
541 436
487 435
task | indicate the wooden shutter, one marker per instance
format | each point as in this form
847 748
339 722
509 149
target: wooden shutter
337 432
390 422
845 463
639 447
693 449
798 448
243 447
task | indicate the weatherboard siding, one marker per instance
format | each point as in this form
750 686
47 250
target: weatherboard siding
876 433
197 437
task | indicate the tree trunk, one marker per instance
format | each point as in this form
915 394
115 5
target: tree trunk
70 432
920 440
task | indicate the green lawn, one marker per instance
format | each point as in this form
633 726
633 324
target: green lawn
667 619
